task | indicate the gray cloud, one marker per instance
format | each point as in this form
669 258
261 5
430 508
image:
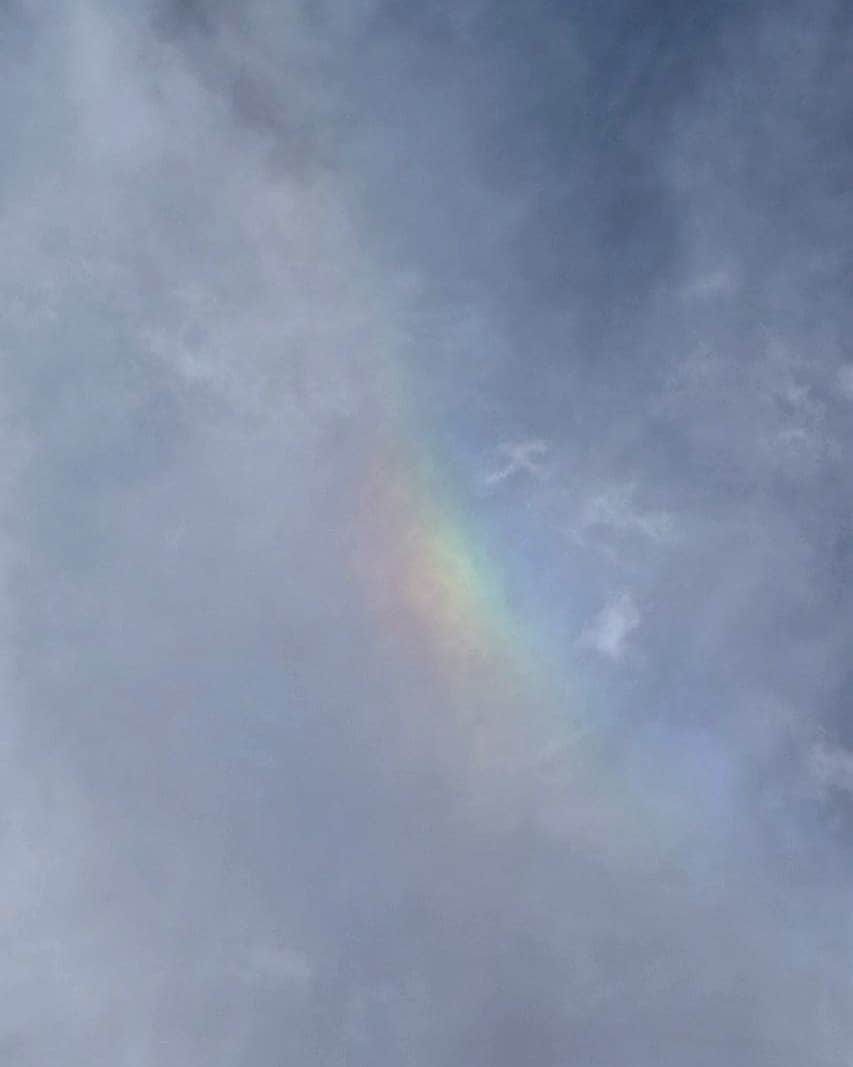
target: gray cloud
356 361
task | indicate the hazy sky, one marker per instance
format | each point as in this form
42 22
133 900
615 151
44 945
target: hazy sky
427 484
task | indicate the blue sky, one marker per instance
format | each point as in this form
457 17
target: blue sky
426 437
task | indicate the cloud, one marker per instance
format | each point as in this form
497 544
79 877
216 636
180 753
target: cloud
522 456
609 631
614 511
831 766
275 282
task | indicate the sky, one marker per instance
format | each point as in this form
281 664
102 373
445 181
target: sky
425 561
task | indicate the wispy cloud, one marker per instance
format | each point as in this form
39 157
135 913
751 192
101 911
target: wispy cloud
521 457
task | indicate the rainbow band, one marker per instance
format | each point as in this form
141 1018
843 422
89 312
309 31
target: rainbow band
432 584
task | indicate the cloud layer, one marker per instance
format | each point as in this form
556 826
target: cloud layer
426 477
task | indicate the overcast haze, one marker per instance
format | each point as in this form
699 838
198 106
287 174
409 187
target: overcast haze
427 483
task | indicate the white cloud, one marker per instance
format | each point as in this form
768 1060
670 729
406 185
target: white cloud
614 508
831 766
609 631
521 457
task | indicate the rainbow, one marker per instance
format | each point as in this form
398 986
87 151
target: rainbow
432 583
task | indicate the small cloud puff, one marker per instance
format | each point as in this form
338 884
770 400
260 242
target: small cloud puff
831 766
609 631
